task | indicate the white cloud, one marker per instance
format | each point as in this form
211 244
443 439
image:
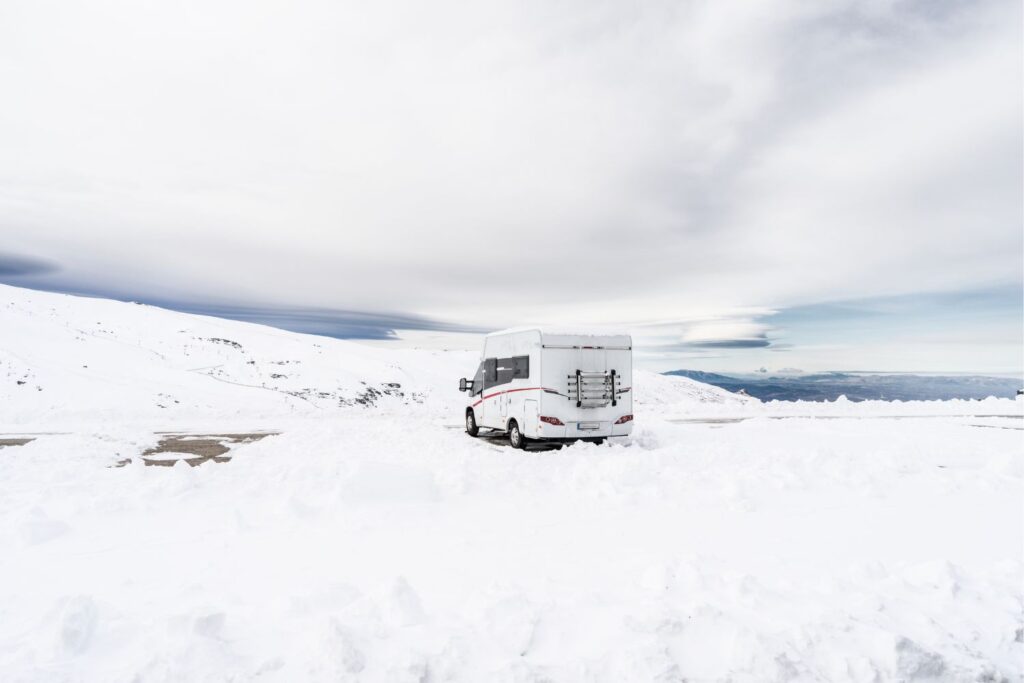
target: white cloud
497 163
725 331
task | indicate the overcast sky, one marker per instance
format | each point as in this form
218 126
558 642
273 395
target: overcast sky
725 178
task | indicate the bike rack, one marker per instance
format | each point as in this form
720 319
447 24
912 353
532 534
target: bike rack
594 389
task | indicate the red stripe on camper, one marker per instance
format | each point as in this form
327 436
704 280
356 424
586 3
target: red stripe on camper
508 391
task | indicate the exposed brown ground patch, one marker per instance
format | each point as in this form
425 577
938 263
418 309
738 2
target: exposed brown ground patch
8 441
195 449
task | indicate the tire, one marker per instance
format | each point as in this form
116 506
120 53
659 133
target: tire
515 437
472 428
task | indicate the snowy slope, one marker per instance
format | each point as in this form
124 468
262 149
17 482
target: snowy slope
373 540
72 358
681 395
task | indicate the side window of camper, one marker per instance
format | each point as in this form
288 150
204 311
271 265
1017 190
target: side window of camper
505 371
521 367
513 368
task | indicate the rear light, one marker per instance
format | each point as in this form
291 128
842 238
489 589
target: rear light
624 419
552 421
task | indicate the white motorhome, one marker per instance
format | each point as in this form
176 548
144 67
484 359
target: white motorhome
541 385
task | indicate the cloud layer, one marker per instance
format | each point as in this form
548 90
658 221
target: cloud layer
496 163
15 266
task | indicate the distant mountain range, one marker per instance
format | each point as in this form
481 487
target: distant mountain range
860 387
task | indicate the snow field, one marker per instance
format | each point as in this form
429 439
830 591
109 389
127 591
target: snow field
373 540
369 549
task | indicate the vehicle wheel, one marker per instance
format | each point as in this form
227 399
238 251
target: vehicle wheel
471 427
515 437
598 442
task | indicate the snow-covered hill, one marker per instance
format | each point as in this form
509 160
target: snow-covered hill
68 360
371 539
664 394
73 359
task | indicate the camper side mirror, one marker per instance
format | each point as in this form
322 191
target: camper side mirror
464 385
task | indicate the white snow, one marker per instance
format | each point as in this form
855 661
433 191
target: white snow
376 541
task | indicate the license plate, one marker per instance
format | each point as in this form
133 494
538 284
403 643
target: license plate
588 425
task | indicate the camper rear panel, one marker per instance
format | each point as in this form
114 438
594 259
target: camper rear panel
579 374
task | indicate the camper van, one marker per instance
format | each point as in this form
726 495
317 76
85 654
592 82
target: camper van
554 386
